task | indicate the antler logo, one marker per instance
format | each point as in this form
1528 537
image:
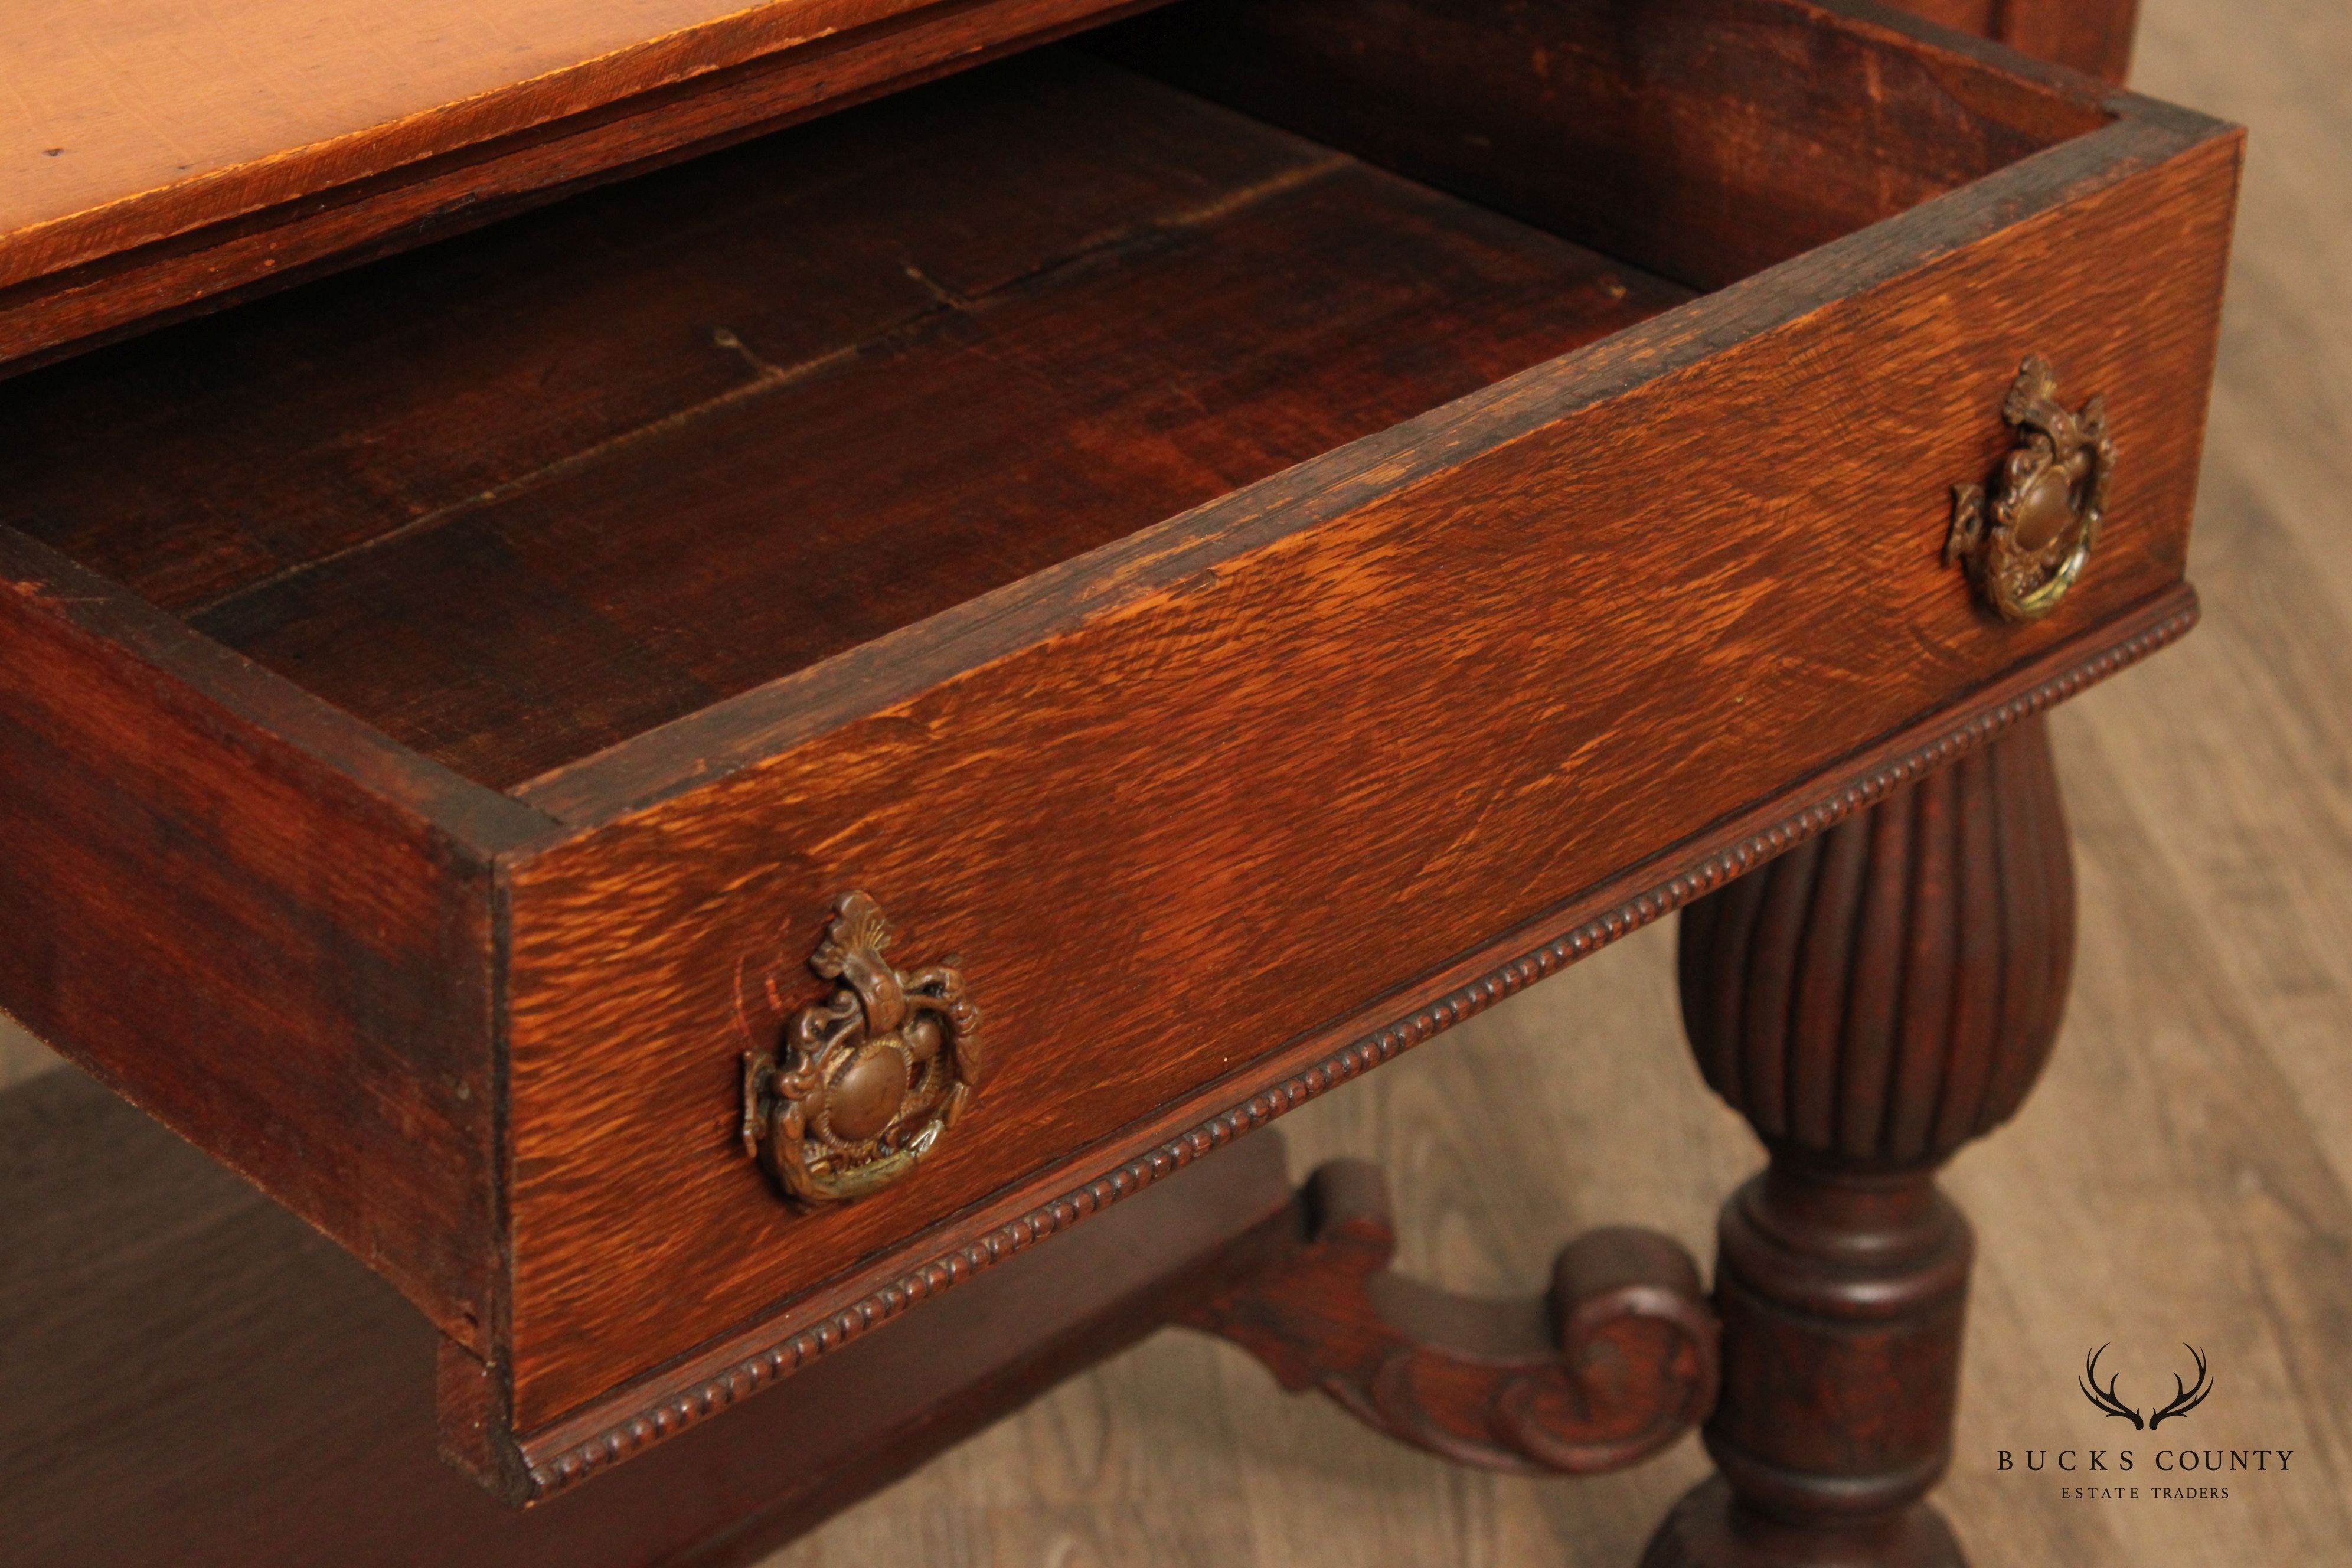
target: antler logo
2186 1397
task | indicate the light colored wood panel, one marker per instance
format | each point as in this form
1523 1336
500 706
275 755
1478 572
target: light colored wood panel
157 155
111 101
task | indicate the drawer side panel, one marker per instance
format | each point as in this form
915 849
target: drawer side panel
241 935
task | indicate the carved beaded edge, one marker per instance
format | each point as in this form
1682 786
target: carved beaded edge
562 1471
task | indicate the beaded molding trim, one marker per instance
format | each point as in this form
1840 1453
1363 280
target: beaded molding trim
574 1463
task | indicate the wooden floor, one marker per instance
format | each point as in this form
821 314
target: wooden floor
2185 1172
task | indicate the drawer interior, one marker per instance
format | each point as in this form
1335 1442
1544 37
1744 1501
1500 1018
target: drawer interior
521 496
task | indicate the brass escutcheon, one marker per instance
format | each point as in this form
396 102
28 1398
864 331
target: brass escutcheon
2026 546
869 1078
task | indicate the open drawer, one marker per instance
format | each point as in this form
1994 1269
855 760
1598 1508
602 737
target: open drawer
1250 535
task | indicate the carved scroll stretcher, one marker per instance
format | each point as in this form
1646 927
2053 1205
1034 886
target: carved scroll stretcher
1616 1361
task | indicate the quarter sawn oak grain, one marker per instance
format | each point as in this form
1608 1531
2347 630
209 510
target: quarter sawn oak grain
1476 628
1207 712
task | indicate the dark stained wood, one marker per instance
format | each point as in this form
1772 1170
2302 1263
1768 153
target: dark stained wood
1004 437
1163 303
228 452
731 733
1613 1362
2224 749
1891 990
165 156
257 920
1311 1065
2094 36
194 1377
1979 17
1702 139
1130 742
1217 809
1869 1002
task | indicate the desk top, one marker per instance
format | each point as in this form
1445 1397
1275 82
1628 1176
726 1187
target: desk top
157 153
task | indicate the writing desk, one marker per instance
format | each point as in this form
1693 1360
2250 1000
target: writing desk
1002 594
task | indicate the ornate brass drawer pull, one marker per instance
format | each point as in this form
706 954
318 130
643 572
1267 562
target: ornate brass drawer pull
2027 547
870 1078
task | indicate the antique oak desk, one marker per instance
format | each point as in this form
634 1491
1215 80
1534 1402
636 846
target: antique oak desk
733 781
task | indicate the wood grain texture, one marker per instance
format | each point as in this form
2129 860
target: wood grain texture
227 453
1612 1364
634 1417
1645 365
1007 433
256 919
1843 1301
300 1386
166 156
1892 989
1709 139
1394 528
2094 36
2183 1168
1868 1002
693 434
1024 785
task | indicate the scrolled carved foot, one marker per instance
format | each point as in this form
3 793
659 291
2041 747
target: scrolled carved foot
1616 1361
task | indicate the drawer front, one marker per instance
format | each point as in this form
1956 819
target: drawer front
1221 785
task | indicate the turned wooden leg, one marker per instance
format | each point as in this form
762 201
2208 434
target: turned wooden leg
1869 1002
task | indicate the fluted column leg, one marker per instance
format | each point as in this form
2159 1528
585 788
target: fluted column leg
1869 1002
